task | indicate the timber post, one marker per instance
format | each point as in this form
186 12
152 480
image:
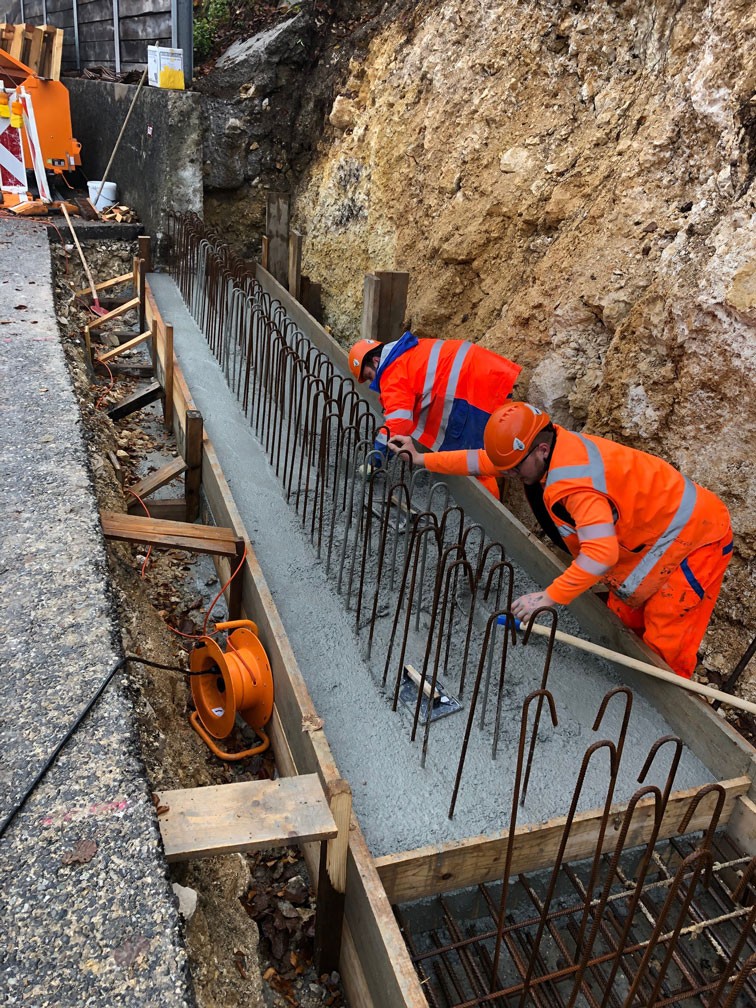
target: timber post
295 264
168 373
145 251
384 308
277 232
193 459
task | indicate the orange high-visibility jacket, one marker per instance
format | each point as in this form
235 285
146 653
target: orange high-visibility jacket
628 518
441 392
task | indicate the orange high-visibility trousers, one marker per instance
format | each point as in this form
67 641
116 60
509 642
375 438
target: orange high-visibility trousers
674 619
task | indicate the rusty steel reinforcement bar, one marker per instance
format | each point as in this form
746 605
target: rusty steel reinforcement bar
318 434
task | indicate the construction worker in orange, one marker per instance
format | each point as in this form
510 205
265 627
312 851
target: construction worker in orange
656 539
441 392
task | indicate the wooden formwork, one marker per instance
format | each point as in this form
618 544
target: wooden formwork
375 965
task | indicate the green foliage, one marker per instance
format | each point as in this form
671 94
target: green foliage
209 16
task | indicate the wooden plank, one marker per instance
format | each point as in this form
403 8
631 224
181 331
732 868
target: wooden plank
115 313
169 509
741 828
160 478
138 400
128 345
332 880
113 282
414 874
119 522
145 251
194 437
246 816
277 230
392 312
140 274
131 369
370 307
56 55
295 264
168 534
168 379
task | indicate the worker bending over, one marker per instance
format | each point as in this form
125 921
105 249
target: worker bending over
659 541
441 392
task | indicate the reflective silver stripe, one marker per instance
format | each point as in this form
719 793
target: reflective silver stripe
681 518
451 391
591 566
381 437
598 531
565 530
473 462
427 396
400 414
593 470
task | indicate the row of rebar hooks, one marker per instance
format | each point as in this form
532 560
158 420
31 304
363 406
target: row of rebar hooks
398 544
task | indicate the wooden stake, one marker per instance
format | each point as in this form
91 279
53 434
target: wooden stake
145 251
193 459
168 372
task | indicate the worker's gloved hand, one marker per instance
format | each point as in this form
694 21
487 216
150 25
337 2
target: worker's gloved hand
367 471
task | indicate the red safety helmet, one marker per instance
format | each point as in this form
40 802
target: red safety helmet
511 431
357 356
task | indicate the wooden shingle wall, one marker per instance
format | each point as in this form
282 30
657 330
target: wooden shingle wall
140 23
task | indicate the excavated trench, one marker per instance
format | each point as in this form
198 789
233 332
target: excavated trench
400 803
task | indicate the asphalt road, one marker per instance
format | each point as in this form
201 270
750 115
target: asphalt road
87 914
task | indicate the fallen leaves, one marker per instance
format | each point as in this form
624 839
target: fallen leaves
311 723
82 853
159 809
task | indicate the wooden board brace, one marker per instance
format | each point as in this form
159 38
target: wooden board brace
257 815
128 345
136 401
163 534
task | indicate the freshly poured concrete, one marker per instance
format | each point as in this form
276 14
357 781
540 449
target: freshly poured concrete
400 805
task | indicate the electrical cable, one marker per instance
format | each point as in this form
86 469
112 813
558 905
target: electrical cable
49 762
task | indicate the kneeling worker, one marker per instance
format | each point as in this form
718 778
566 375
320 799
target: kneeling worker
441 392
659 541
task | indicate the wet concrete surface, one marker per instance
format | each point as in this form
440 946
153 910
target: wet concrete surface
401 805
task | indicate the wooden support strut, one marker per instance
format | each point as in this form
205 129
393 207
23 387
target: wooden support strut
255 815
164 534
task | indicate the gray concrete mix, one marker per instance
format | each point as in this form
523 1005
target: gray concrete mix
401 806
104 931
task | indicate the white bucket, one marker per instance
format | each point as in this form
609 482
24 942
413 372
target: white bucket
108 196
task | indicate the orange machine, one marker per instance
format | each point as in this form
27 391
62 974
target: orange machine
60 152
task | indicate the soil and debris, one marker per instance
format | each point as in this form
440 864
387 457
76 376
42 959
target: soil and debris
238 897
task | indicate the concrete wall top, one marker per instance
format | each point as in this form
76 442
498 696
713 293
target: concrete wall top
158 166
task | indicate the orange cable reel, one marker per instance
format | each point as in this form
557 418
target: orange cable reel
237 681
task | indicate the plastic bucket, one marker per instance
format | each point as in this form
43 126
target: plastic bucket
108 196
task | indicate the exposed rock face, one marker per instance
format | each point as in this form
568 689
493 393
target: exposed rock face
572 185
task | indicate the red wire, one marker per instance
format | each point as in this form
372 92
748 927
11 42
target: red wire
212 604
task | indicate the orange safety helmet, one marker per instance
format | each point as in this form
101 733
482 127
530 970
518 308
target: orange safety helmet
510 432
357 356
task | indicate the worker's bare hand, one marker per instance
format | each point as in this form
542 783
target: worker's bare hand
403 443
526 605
